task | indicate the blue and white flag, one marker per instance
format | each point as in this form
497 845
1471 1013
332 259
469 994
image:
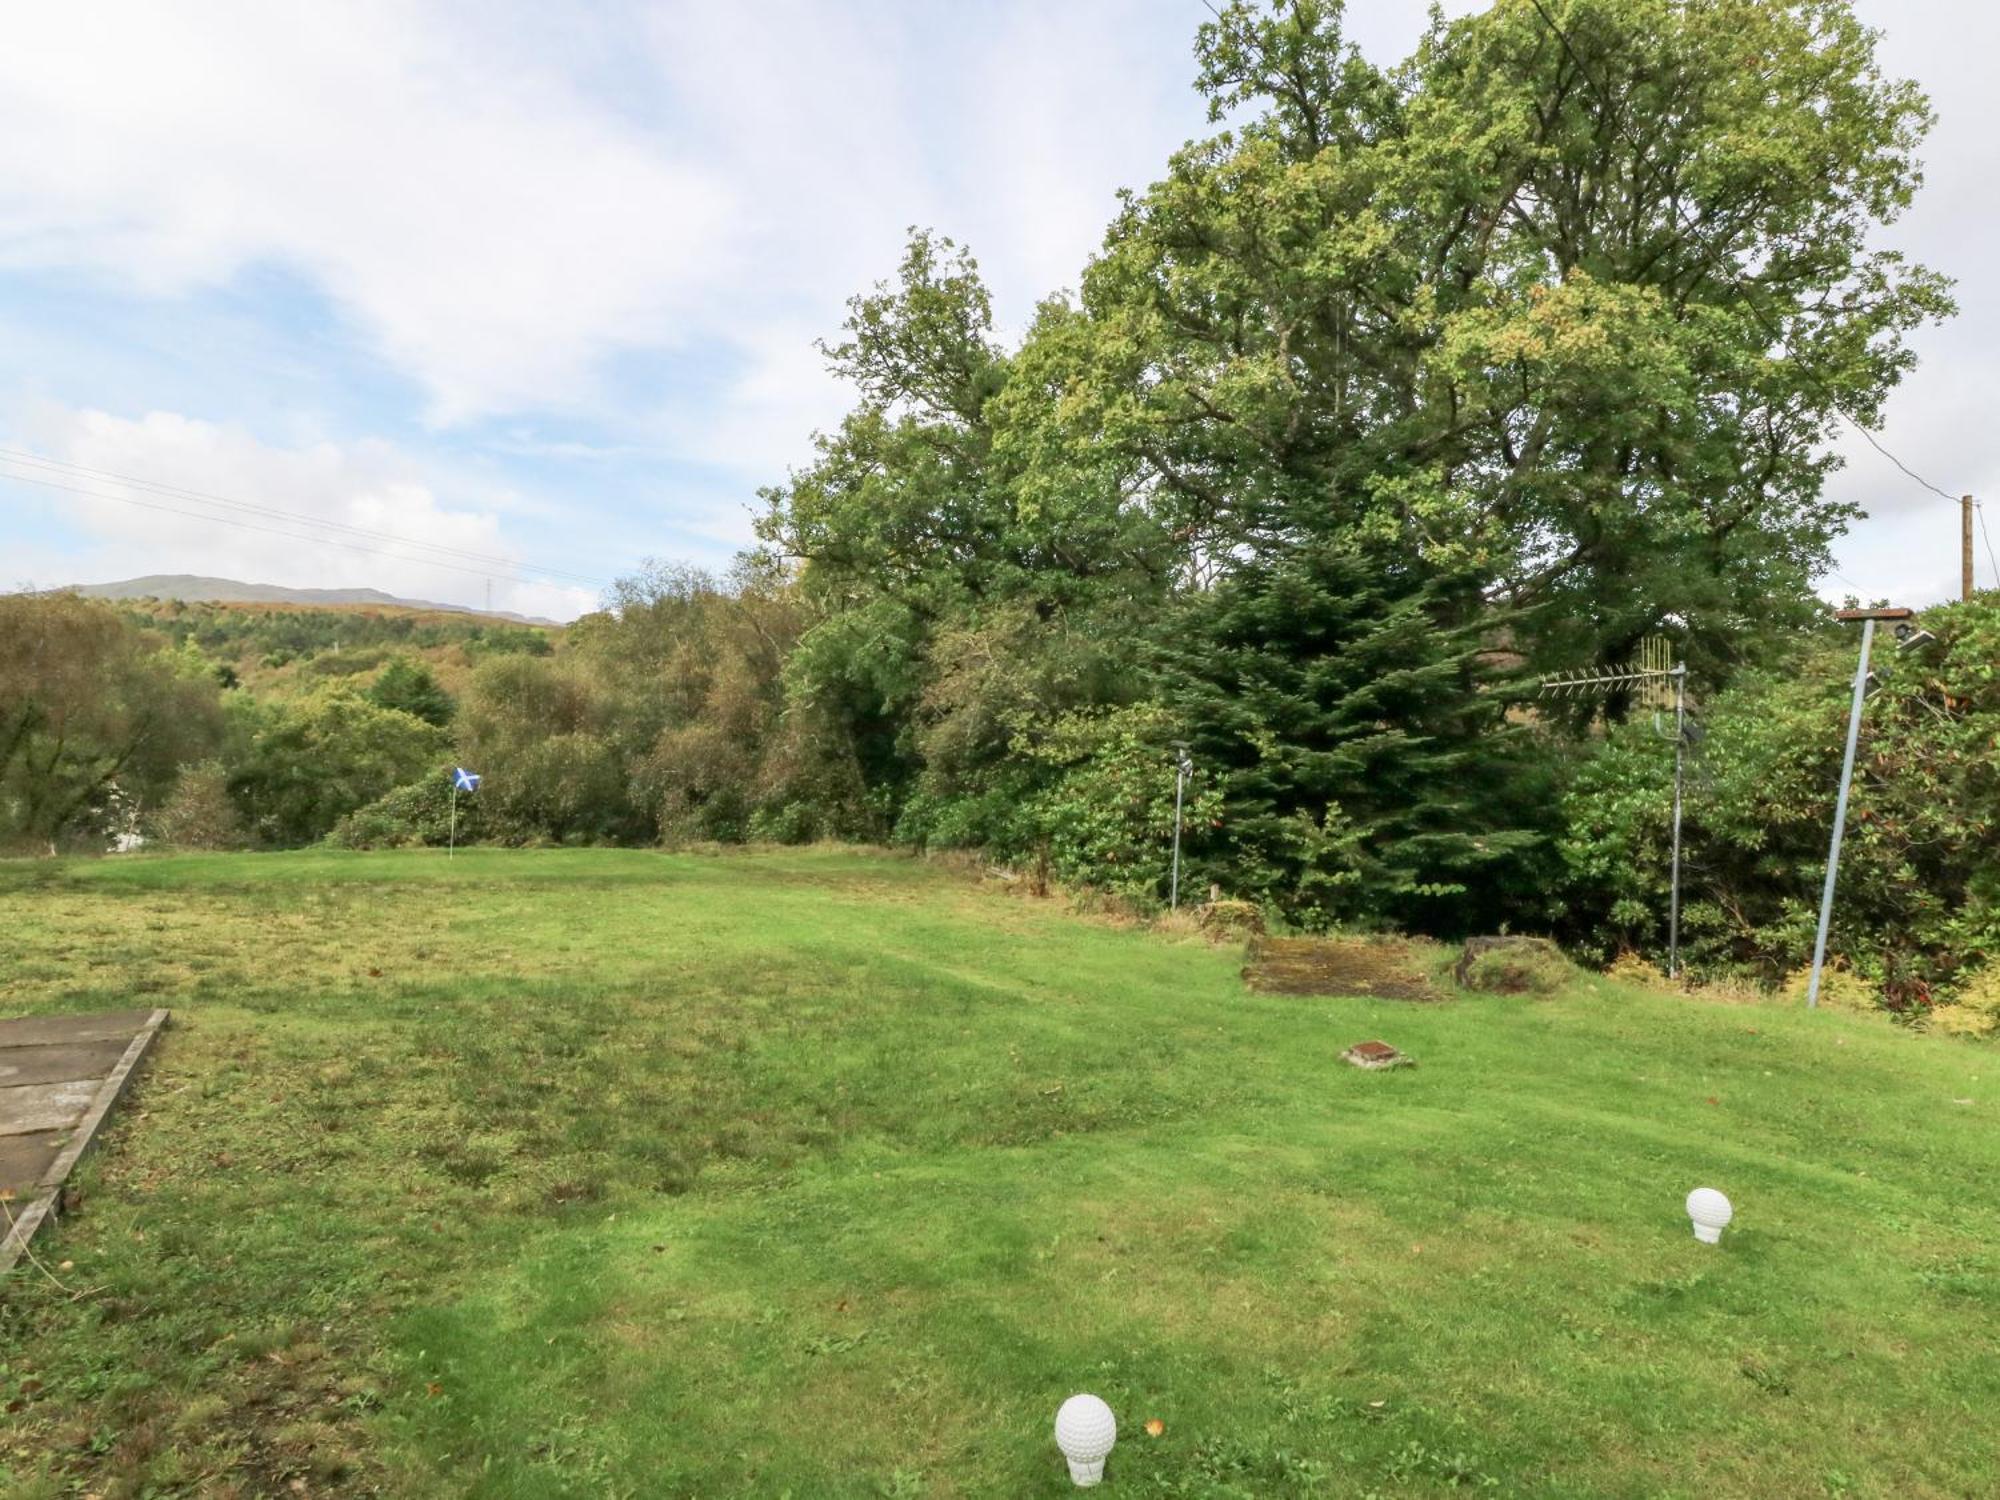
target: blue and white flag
464 780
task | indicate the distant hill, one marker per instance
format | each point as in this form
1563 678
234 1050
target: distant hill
193 590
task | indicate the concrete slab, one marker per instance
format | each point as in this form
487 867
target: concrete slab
24 1158
79 1065
58 1064
45 1106
58 1031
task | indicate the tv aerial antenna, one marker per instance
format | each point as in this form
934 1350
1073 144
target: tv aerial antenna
1651 673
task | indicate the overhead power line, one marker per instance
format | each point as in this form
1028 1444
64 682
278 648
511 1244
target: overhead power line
1870 437
441 551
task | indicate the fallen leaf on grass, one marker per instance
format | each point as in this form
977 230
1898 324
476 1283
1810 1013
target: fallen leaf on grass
1155 1427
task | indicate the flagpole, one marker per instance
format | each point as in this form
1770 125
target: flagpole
451 852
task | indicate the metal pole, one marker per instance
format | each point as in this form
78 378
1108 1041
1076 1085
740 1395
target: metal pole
451 852
1840 811
1180 782
1680 756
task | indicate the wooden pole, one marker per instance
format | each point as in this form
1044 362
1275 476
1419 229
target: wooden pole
1965 546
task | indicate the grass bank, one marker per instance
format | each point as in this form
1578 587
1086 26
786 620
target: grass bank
598 1173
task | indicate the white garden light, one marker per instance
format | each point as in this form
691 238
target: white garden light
1711 1214
1085 1431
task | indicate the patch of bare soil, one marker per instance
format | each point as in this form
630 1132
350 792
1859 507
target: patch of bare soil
1377 968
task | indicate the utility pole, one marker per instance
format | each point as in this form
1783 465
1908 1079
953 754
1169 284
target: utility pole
1867 617
1965 546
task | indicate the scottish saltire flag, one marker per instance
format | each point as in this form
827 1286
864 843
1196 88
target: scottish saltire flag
464 780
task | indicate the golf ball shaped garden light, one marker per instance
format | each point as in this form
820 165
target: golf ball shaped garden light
1710 1212
1085 1431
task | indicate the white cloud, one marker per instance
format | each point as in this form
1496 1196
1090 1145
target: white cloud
486 224
1008 129
501 199
1940 421
361 494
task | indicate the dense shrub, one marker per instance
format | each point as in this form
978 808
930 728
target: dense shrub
1918 904
1513 966
417 813
308 763
198 812
96 719
545 731
1974 1009
1107 816
409 686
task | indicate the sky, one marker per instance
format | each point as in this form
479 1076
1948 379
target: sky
511 297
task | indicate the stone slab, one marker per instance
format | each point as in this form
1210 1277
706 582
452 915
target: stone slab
56 1031
45 1106
59 1062
25 1158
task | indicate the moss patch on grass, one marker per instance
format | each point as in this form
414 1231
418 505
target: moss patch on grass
1379 968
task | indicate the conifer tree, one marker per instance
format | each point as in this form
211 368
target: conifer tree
1365 761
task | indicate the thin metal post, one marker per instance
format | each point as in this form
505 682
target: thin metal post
451 851
1180 784
1840 811
1680 757
1598 680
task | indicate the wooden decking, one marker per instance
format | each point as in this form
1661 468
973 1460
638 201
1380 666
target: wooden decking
59 1078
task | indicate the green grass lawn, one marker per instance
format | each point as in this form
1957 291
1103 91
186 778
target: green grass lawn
610 1173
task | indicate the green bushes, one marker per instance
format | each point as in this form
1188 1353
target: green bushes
1106 817
306 764
1974 1010
198 812
94 716
1917 913
409 686
419 812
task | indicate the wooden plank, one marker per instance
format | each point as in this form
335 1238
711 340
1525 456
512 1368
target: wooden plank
23 1224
